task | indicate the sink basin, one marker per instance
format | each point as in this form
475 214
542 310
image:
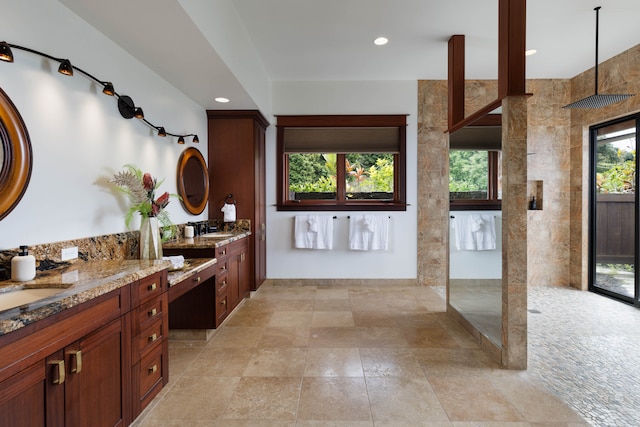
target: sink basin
17 298
218 234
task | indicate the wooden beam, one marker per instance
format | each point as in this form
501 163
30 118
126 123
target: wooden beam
456 79
512 25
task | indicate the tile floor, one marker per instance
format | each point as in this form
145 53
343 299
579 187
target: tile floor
355 356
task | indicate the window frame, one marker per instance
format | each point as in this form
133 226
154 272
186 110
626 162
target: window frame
493 147
398 203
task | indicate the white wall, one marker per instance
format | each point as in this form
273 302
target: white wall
76 132
364 97
476 264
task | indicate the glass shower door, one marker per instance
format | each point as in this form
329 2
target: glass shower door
614 210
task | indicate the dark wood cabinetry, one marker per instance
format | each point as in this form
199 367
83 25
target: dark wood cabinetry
220 288
237 167
96 364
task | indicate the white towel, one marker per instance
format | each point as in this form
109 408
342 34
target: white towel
177 261
369 232
305 238
475 232
229 210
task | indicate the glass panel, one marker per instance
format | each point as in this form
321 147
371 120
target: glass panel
615 226
369 176
312 176
468 174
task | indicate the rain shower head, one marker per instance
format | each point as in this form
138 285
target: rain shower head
597 100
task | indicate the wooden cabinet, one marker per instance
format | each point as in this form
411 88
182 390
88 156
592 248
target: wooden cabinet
220 288
69 368
149 340
237 166
96 364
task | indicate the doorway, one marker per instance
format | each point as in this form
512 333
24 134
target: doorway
614 210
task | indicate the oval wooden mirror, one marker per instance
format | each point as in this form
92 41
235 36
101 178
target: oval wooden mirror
15 156
193 181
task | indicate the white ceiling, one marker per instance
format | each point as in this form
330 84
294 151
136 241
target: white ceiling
317 40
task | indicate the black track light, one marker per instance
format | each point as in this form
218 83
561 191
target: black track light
138 113
108 89
161 131
5 52
181 140
65 68
196 139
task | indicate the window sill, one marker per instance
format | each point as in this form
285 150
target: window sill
333 206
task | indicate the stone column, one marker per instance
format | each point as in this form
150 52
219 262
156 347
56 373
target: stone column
514 235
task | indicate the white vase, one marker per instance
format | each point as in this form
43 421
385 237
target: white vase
150 241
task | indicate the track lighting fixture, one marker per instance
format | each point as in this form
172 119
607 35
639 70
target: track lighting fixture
65 68
126 106
5 52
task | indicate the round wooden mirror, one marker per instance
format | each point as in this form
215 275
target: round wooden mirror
15 156
193 181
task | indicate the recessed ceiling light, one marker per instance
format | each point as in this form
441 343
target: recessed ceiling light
530 52
381 41
222 100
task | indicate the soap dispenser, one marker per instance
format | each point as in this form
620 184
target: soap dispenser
23 266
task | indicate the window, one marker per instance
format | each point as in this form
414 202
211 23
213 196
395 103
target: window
475 180
341 162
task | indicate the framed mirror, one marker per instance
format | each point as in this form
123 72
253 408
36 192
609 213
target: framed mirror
16 158
193 181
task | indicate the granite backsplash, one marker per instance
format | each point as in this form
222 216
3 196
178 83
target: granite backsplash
118 246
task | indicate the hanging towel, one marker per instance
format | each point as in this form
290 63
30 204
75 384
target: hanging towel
368 232
475 232
486 234
229 210
306 238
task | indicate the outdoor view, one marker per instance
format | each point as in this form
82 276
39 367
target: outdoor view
615 209
469 175
368 176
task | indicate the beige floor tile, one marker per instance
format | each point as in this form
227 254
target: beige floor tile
332 318
313 423
380 336
368 303
390 362
403 399
332 293
341 399
190 399
404 304
473 398
373 318
417 319
252 423
285 336
237 336
249 318
413 423
277 362
334 337
332 305
333 362
291 318
181 358
435 337
221 361
264 398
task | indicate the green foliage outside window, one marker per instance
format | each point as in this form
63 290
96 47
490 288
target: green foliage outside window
616 170
468 171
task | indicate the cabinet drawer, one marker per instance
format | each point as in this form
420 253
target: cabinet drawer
222 283
222 251
149 337
150 372
148 288
147 313
222 308
222 267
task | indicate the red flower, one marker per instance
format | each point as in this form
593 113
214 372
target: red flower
148 182
162 201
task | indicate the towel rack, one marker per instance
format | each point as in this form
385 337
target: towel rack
349 216
452 217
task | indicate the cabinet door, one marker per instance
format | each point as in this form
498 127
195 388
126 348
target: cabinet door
22 398
94 383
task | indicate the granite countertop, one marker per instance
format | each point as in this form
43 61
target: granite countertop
214 240
191 267
78 283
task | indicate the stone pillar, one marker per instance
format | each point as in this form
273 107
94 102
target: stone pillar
514 235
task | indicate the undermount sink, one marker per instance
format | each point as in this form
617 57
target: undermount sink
20 297
218 234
